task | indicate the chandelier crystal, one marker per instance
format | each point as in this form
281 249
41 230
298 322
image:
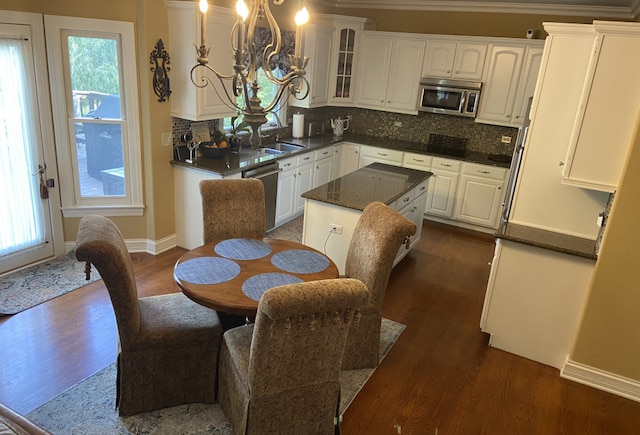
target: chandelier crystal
246 62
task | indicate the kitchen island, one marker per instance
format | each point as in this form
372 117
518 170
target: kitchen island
333 209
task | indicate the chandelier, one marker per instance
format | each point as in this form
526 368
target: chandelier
246 62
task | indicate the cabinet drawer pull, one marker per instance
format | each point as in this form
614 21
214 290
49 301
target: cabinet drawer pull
383 154
406 200
446 165
418 160
484 172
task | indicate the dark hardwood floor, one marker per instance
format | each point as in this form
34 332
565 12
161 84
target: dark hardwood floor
440 377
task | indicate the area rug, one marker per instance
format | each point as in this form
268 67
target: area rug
34 285
89 407
292 230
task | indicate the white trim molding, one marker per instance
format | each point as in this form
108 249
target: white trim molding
153 247
624 10
602 380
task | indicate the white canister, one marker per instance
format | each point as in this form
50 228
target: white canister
298 125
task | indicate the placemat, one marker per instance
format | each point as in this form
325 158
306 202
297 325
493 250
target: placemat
207 270
300 261
255 286
242 249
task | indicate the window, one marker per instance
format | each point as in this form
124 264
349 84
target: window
95 115
266 93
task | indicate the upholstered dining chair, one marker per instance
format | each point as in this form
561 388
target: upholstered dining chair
168 345
281 374
377 237
233 208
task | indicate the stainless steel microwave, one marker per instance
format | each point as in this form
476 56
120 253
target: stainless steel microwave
450 97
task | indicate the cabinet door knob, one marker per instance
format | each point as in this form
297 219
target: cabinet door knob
561 164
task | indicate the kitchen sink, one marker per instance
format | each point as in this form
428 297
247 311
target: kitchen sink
283 146
273 151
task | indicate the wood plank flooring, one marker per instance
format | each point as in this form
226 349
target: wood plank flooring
440 377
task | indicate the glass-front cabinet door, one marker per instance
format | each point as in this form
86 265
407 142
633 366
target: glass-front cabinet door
343 71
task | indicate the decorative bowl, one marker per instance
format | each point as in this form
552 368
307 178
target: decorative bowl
213 153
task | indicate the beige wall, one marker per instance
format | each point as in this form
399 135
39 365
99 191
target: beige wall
609 336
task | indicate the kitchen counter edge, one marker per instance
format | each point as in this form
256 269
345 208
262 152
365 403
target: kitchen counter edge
564 243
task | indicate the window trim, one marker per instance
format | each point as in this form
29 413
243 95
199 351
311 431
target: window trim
72 205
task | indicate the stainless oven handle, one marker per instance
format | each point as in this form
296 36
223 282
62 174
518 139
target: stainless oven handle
266 174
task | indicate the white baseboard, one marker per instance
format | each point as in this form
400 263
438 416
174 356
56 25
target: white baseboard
153 247
602 380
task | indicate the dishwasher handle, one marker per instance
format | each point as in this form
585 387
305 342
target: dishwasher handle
262 171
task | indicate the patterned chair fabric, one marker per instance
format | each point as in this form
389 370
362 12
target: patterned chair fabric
281 375
168 345
233 208
377 237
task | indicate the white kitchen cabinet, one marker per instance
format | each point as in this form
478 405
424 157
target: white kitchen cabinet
509 81
318 38
188 204
413 204
526 84
421 162
323 166
285 202
389 72
369 154
349 158
303 180
456 60
534 301
480 193
608 109
442 187
188 101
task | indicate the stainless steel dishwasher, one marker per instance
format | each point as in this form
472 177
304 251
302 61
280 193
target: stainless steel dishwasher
268 174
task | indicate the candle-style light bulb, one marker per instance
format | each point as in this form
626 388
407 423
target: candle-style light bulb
302 17
243 13
242 10
204 5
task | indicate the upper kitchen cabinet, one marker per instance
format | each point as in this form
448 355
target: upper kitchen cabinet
344 61
187 100
455 60
607 111
319 39
509 80
389 71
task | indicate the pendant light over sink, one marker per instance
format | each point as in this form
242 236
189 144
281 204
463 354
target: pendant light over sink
246 61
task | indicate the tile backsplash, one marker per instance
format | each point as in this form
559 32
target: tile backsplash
395 126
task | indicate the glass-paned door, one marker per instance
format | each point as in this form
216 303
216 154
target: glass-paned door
25 218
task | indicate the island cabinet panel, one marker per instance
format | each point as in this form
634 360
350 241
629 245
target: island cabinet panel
340 202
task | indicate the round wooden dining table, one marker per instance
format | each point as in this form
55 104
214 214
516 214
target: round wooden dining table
231 275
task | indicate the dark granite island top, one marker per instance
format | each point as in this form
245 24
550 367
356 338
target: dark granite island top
375 182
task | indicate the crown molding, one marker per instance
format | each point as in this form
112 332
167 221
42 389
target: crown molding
585 8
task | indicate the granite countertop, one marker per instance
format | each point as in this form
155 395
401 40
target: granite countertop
375 182
553 241
248 158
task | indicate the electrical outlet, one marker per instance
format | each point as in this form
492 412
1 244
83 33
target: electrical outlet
336 229
506 139
167 139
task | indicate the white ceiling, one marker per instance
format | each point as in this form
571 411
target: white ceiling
612 9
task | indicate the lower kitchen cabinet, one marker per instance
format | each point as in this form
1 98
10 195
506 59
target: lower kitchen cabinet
303 180
480 193
323 166
534 301
349 158
285 204
442 187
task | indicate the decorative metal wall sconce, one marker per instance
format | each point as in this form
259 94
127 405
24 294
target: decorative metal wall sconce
161 85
